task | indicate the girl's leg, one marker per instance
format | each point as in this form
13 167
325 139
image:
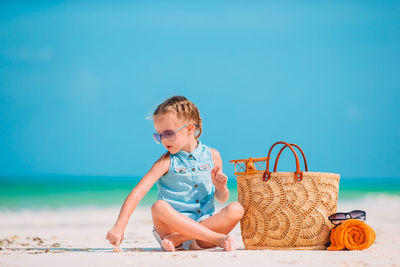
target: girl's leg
222 222
167 220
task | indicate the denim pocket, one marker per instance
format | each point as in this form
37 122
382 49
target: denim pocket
180 170
204 167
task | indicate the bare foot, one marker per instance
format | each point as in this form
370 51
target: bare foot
168 245
229 243
117 249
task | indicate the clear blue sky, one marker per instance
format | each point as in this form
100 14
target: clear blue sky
78 79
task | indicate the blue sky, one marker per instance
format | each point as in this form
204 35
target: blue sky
78 79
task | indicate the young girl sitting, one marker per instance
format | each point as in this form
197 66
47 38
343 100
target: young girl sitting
188 177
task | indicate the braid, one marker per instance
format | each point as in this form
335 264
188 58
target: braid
184 109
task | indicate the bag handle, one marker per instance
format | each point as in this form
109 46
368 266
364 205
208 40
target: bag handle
298 174
283 148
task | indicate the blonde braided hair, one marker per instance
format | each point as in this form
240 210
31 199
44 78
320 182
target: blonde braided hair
184 109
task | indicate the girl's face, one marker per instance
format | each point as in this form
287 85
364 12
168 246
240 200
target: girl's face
169 121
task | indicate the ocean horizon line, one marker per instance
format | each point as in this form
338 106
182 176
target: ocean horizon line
65 190
61 175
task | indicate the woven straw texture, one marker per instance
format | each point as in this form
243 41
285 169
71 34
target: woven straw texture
282 213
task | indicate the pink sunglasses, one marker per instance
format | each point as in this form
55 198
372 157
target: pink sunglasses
168 135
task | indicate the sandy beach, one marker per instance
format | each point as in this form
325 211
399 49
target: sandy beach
76 237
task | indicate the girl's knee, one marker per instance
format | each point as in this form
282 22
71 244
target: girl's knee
159 205
236 209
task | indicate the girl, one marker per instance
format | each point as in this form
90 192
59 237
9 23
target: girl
188 177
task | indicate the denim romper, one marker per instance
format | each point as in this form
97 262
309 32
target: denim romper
187 186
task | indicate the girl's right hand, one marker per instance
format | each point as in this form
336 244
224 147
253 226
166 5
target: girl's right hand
115 235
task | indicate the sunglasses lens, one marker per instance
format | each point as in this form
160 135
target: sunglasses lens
337 218
357 214
169 135
157 138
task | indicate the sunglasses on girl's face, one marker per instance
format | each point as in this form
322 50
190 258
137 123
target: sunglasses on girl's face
338 217
168 135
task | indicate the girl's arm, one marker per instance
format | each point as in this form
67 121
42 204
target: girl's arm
219 178
159 168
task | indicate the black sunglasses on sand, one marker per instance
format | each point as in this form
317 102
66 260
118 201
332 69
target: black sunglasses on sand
338 217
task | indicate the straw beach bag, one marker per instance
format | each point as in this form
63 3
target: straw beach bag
285 210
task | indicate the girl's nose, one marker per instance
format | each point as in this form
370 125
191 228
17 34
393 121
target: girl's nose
164 142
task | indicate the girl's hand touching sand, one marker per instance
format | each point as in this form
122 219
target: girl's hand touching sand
115 235
218 178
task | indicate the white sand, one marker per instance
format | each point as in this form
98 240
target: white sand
76 237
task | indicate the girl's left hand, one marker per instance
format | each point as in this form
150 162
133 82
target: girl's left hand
218 178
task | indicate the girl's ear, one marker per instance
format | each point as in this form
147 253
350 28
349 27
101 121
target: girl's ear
193 129
190 129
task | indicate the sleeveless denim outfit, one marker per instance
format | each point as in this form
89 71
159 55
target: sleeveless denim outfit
187 186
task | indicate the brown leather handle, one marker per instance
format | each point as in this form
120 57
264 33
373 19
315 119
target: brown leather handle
298 173
302 153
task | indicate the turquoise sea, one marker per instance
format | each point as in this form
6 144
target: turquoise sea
58 191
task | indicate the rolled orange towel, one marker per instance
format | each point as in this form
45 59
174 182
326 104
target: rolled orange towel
352 234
